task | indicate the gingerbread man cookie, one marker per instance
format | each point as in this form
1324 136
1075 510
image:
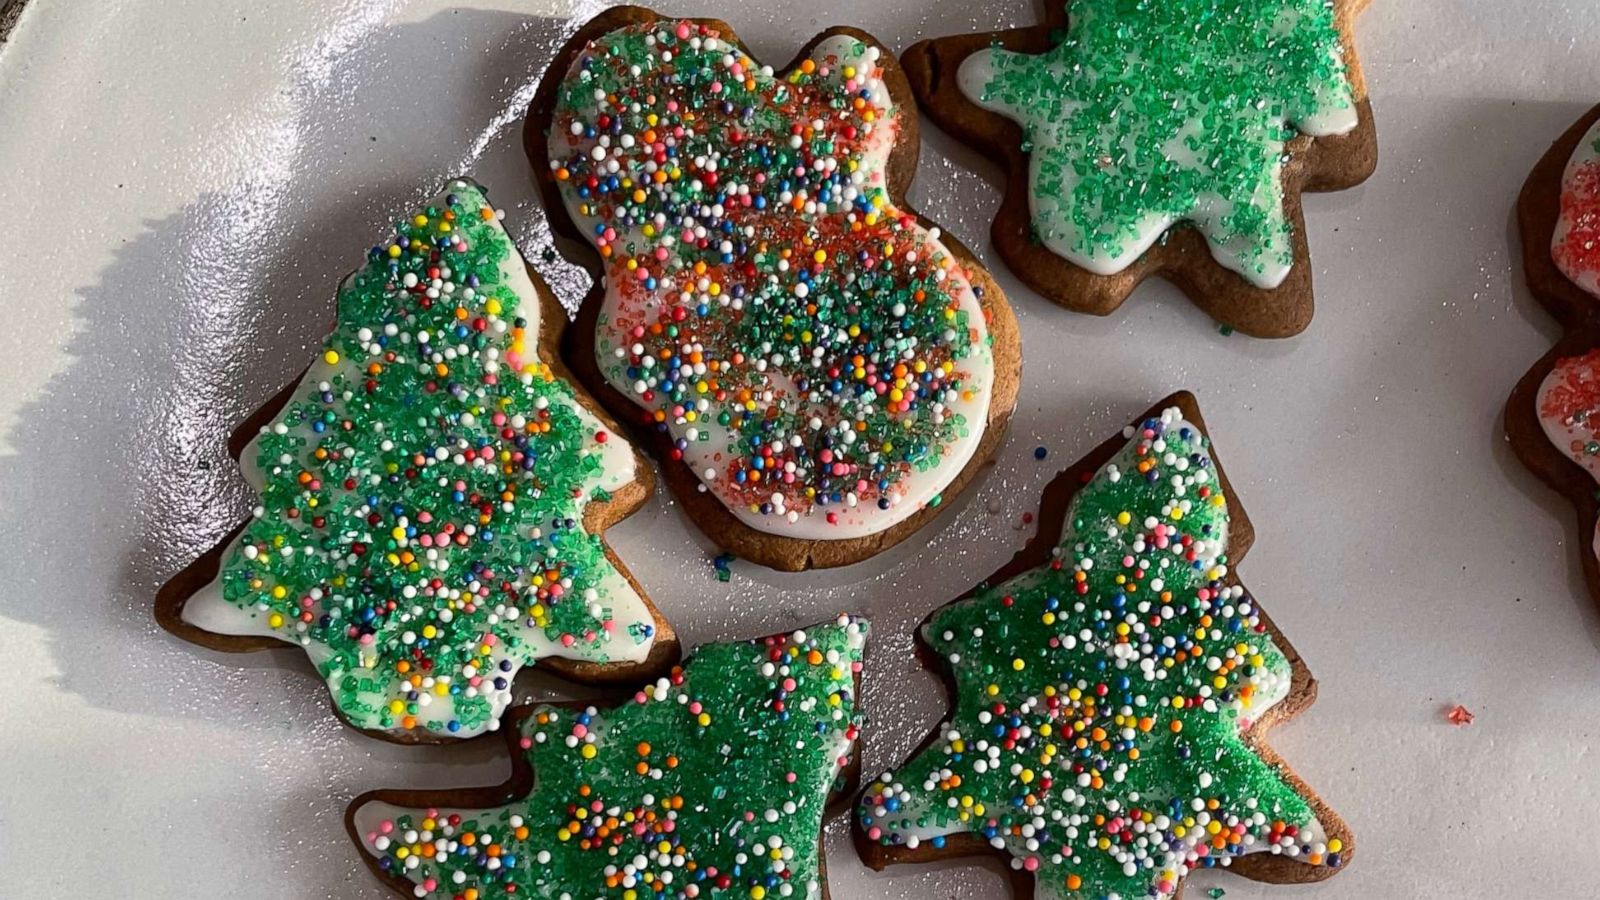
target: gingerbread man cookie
818 369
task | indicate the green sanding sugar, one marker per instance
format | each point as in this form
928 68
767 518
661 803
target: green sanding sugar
1150 112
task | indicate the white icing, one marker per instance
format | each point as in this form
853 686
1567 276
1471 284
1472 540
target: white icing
1577 203
1565 432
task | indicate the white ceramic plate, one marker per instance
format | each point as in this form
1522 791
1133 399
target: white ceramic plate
185 180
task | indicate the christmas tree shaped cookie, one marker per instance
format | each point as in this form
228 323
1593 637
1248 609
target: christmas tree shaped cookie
818 369
1553 416
433 493
1164 138
709 783
1113 688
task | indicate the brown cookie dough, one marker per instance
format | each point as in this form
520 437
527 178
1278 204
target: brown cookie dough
707 511
1040 552
1181 256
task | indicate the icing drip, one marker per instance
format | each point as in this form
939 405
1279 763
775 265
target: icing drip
711 783
1569 411
1152 113
420 526
818 356
1102 698
1576 244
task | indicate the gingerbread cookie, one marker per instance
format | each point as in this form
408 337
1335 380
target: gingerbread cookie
1169 139
1553 416
711 783
1112 691
818 369
433 495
